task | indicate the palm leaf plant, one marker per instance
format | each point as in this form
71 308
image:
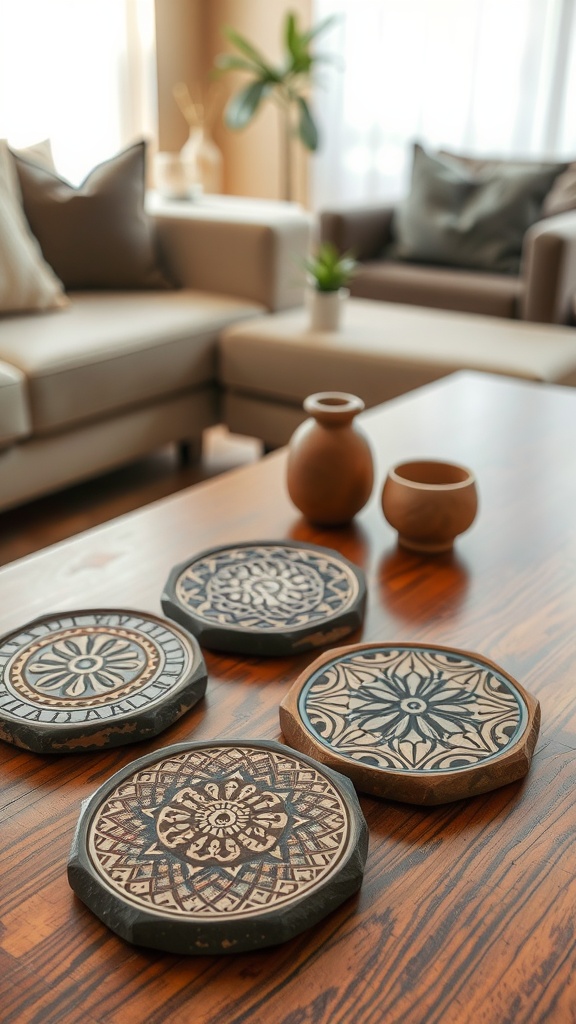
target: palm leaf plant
286 84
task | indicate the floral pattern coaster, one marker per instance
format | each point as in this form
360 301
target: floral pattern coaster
218 847
84 680
415 722
267 598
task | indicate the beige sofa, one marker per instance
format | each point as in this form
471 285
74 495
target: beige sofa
117 373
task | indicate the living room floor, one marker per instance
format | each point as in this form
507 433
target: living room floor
28 528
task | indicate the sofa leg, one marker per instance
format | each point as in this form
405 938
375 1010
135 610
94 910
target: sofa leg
190 451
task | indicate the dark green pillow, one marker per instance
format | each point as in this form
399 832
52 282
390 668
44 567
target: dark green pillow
459 218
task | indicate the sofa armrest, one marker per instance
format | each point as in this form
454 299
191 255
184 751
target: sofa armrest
363 230
253 253
15 419
549 269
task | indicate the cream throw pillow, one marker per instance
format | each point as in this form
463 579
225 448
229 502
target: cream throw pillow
27 282
39 153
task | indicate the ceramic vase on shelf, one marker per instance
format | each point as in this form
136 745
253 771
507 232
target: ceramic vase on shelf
325 309
169 176
202 162
330 471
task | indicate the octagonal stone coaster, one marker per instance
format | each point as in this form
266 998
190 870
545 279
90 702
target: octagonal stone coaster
413 722
218 847
84 680
267 598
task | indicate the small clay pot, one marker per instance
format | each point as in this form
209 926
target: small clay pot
330 471
429 503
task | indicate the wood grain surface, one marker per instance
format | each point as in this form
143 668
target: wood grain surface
467 909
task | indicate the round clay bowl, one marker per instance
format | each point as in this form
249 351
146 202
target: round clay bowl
429 503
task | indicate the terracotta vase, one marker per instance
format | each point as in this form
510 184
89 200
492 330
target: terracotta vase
330 471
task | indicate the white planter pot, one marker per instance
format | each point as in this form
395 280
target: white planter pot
325 308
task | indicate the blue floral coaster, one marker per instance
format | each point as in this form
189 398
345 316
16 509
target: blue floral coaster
414 722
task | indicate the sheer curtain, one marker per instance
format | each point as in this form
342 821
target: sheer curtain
486 77
79 72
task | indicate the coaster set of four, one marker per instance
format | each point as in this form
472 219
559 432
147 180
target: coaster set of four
231 846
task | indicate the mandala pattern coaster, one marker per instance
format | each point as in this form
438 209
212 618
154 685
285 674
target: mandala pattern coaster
219 847
273 598
413 722
85 680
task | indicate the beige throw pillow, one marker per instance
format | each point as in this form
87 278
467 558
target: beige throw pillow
98 235
27 282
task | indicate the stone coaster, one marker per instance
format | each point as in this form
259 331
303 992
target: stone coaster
85 680
413 722
218 847
271 598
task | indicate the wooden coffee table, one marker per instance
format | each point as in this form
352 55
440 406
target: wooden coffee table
466 912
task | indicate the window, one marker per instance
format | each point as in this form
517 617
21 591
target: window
488 77
79 72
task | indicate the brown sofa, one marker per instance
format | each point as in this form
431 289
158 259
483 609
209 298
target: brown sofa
540 289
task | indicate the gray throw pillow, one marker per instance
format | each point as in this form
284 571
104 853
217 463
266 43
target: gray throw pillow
98 235
461 218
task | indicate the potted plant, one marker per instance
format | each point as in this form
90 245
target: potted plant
328 272
286 84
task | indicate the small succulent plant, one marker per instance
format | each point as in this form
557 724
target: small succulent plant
329 269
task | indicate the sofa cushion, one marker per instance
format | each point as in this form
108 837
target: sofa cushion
27 282
458 217
98 235
439 287
112 351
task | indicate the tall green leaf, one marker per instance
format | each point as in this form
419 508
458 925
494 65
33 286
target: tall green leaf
229 62
291 33
300 58
311 34
252 53
242 107
307 131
